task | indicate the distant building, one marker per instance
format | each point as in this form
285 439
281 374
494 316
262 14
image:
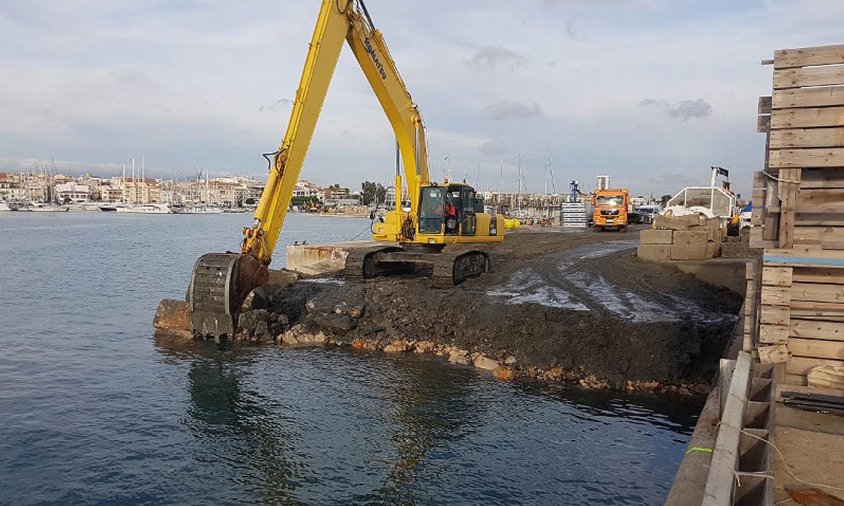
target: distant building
140 191
72 192
335 193
308 189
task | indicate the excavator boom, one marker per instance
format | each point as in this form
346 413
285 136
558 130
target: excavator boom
221 281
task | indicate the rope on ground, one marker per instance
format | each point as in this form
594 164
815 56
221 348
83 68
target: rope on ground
737 474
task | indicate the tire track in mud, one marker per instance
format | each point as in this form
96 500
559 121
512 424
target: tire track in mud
577 280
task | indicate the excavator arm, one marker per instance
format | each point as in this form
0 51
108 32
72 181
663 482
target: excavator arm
338 20
221 281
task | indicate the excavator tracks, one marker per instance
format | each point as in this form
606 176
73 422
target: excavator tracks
365 263
448 268
451 269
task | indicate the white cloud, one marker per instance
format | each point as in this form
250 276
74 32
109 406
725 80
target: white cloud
90 81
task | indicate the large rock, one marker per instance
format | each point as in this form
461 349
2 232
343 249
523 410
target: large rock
281 277
261 325
456 356
172 315
339 324
397 347
298 335
486 363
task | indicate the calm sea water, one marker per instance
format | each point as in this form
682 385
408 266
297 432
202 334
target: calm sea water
94 410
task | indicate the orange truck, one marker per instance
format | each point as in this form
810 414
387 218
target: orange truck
610 209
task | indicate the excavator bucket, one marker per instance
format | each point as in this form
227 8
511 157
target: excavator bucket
218 286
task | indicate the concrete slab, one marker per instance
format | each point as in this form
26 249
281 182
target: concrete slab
725 272
322 259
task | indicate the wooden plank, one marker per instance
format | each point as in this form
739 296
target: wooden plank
806 56
804 315
763 123
815 348
808 157
774 315
764 105
808 76
720 480
818 219
807 329
776 276
789 382
802 365
817 292
828 238
828 307
808 97
818 275
773 334
776 354
776 296
822 178
788 184
807 117
820 201
799 258
807 138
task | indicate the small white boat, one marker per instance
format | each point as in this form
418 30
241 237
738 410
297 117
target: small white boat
145 209
85 206
4 207
198 210
43 207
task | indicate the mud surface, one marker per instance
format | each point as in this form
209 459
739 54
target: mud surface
573 305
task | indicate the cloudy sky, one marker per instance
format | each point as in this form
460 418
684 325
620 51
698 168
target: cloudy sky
651 92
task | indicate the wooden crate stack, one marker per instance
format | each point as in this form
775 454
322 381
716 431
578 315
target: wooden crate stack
795 299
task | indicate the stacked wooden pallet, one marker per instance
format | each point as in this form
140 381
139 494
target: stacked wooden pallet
796 296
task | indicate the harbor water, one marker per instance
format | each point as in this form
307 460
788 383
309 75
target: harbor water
95 410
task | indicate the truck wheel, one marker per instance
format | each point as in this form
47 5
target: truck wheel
622 229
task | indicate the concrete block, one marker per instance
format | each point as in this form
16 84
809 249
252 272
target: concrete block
677 222
691 237
713 249
656 236
654 252
689 251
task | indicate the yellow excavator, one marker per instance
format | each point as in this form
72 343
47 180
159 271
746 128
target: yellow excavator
440 214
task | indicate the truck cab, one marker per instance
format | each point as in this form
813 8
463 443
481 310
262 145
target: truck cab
610 209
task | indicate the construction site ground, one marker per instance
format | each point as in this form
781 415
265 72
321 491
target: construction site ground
561 305
812 446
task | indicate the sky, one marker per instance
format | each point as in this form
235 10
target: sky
649 92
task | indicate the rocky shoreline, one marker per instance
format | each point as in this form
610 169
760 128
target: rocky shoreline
574 308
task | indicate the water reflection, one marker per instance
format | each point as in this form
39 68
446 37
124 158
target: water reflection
275 425
433 406
256 442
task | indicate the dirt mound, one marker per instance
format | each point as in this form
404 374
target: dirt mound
559 305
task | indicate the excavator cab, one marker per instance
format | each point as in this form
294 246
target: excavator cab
449 209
